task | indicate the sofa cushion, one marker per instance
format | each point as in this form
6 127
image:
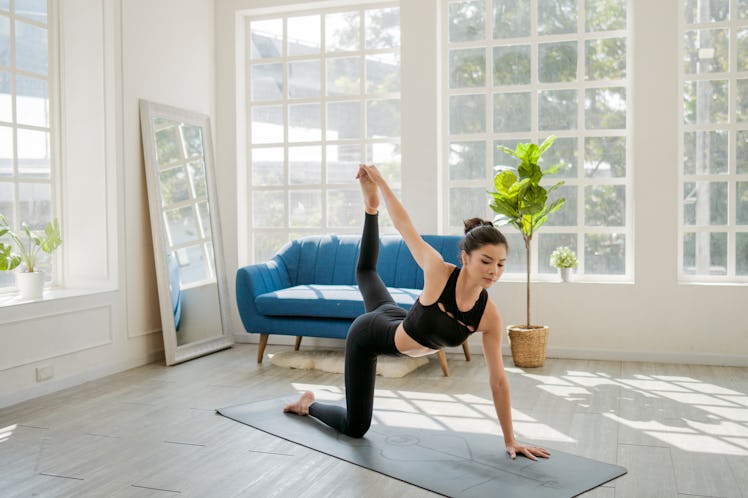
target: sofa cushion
324 301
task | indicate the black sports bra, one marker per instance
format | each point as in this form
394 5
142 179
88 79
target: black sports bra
442 324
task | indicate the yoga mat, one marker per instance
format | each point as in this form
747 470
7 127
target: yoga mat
446 462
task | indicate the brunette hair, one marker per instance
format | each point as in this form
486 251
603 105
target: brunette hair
478 233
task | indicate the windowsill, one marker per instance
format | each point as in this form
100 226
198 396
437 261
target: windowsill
50 294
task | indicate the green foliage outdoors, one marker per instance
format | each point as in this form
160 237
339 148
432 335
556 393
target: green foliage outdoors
30 247
520 200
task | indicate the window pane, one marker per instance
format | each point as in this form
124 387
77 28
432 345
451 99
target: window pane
741 103
605 59
6 200
304 35
516 261
605 157
605 15
467 114
742 49
344 208
511 18
383 118
5 98
267 124
32 9
557 62
305 165
305 208
193 265
563 152
549 242
605 254
567 215
705 152
175 186
4 5
511 65
4 41
705 203
741 199
267 166
605 108
705 102
33 153
199 182
742 9
382 28
741 253
557 109
705 253
605 205
511 112
304 79
31 48
342 163
192 138
466 203
6 151
741 153
266 38
268 208
467 21
715 11
267 244
689 253
557 16
34 204
706 51
718 253
467 68
382 73
304 123
467 160
182 225
342 31
343 120
344 76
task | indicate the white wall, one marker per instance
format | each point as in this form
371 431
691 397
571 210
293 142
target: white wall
654 318
113 52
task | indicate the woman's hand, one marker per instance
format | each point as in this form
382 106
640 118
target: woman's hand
371 173
531 452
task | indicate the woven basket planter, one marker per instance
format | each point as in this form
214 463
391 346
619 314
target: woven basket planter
528 345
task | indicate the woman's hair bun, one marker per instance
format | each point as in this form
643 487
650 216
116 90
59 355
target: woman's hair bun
476 222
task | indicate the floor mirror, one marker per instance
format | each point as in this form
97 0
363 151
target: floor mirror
186 230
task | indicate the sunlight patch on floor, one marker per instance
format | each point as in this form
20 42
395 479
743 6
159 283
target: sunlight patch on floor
6 432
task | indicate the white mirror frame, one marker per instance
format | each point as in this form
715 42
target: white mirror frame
175 353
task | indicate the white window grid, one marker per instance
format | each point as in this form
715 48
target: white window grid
733 24
537 136
365 144
13 180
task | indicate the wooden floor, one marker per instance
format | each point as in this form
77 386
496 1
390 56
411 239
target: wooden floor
681 430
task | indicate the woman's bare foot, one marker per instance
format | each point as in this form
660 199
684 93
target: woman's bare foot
369 189
301 407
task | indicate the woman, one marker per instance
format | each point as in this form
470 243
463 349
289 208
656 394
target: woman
453 305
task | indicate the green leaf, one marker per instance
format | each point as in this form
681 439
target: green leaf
552 170
504 181
546 144
8 260
507 150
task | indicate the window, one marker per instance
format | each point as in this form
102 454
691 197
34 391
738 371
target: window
519 71
323 95
26 158
714 146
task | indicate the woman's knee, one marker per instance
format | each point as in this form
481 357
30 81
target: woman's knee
358 430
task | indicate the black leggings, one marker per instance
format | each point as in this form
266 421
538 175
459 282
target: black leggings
371 334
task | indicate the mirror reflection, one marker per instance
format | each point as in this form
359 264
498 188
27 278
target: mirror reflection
186 245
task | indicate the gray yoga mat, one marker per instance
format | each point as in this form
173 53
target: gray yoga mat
446 462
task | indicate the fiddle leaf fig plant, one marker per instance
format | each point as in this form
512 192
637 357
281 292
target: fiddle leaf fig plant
518 198
28 247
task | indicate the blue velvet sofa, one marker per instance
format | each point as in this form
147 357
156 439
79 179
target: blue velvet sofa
308 289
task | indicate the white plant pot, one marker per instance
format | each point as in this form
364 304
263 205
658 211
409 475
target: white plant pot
30 284
564 274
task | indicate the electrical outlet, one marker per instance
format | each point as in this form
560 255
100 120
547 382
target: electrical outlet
44 373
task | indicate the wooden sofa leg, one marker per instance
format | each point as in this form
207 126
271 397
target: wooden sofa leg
298 343
261 348
443 362
466 349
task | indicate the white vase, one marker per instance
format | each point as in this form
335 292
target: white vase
30 284
564 274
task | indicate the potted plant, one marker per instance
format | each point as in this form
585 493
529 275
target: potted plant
564 259
30 280
519 200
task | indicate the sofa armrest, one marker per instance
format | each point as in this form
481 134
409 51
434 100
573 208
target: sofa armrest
254 280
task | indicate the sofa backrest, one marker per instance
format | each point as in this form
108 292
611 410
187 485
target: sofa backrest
331 259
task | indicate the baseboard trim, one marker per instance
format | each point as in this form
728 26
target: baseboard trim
55 385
